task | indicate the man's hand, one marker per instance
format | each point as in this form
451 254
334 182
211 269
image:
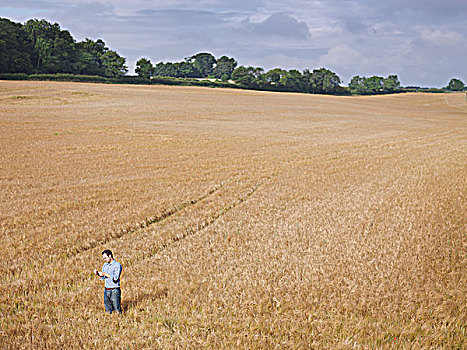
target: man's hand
98 273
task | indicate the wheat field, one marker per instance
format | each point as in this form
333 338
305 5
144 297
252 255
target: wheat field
242 219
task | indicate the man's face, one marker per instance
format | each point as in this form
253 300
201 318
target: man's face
106 258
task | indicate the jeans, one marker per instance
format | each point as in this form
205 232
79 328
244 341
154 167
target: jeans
112 299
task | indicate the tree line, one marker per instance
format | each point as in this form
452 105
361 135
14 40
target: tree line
322 80
41 47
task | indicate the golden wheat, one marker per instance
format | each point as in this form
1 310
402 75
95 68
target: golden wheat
242 219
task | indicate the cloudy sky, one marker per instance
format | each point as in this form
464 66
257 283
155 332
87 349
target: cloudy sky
424 42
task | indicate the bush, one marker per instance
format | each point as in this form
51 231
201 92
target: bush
130 79
13 76
68 77
139 80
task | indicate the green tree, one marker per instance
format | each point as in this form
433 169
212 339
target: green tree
373 85
275 75
258 75
292 80
242 76
42 35
42 49
251 77
90 56
203 63
391 83
15 48
165 70
306 74
357 85
455 85
324 81
144 68
54 49
186 70
64 54
98 59
113 64
224 67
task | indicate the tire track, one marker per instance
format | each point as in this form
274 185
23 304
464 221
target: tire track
198 228
68 289
170 241
148 251
76 285
146 222
16 274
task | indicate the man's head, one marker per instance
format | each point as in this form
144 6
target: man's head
107 256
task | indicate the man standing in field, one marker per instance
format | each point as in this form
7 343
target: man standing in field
111 271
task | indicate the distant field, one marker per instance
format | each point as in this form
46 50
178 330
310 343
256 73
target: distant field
242 219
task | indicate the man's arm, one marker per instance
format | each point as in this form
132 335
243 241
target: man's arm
115 276
102 274
116 273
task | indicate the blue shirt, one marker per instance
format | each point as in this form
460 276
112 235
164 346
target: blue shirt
114 269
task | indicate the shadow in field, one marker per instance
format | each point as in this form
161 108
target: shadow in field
127 305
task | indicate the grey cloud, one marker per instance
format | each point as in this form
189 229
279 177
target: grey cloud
88 11
280 25
298 53
173 30
39 4
88 19
182 17
413 10
358 26
423 41
247 6
436 8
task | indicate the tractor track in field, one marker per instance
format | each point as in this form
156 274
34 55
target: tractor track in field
127 230
151 251
73 287
166 214
200 227
149 221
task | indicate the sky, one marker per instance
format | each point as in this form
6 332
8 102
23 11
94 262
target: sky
424 42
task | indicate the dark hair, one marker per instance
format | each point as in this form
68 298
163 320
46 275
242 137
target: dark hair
108 253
